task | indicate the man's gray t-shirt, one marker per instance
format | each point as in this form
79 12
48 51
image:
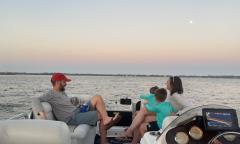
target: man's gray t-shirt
62 107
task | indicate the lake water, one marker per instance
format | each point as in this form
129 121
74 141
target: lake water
16 91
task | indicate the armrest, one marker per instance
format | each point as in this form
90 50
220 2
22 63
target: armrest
80 131
34 131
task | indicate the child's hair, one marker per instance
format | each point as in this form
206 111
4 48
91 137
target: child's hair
161 94
153 89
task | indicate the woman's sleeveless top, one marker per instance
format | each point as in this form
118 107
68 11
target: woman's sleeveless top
177 101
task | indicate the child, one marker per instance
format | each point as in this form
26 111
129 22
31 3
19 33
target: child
161 109
150 97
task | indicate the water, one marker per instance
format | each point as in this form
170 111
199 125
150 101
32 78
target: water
16 91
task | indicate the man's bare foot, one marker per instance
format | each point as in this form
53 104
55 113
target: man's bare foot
114 121
109 120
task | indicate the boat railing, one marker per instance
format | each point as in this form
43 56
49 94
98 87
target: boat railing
19 116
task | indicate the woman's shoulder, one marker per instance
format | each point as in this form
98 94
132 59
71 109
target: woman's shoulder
177 94
174 96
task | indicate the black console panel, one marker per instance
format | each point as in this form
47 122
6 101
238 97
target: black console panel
199 122
126 117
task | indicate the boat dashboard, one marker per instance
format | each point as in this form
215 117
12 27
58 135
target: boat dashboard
214 126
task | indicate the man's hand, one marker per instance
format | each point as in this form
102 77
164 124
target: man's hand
41 115
75 101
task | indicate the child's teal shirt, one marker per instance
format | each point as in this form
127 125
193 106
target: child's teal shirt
150 99
162 110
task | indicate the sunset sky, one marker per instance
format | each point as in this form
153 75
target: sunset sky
191 37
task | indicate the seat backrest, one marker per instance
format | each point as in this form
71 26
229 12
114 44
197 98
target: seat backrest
168 120
34 132
47 108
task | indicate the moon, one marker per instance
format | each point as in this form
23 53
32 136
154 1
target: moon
191 22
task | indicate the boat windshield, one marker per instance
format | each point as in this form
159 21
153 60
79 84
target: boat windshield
189 114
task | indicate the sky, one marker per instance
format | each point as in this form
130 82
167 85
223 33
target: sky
190 37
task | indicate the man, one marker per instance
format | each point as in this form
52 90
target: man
66 111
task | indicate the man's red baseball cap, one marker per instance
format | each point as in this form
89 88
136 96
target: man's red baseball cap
59 77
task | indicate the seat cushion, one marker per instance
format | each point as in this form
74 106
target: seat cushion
47 108
80 131
48 111
168 120
34 132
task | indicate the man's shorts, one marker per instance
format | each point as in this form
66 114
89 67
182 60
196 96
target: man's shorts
90 117
153 126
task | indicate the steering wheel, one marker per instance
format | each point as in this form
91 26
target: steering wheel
226 138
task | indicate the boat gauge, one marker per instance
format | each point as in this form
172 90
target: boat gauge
196 133
229 137
181 138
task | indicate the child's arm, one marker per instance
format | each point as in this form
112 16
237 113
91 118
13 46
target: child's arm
145 97
173 111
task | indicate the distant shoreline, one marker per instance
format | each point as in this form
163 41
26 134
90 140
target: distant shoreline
124 75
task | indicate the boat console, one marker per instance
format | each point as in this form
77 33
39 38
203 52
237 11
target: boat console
209 124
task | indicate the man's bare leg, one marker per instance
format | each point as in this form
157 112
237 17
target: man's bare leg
98 103
103 133
103 129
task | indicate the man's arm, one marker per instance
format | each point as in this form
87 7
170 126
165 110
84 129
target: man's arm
37 106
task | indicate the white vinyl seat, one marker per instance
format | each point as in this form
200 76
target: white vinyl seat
34 132
167 120
81 134
148 138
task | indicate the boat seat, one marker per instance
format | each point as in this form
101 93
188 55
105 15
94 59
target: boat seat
81 134
34 132
167 120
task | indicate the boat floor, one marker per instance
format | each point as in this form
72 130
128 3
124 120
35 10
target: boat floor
113 140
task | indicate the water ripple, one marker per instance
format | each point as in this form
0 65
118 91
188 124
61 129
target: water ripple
17 91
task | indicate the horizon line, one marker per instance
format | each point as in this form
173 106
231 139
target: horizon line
137 75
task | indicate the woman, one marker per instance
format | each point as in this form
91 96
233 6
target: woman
175 90
161 109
